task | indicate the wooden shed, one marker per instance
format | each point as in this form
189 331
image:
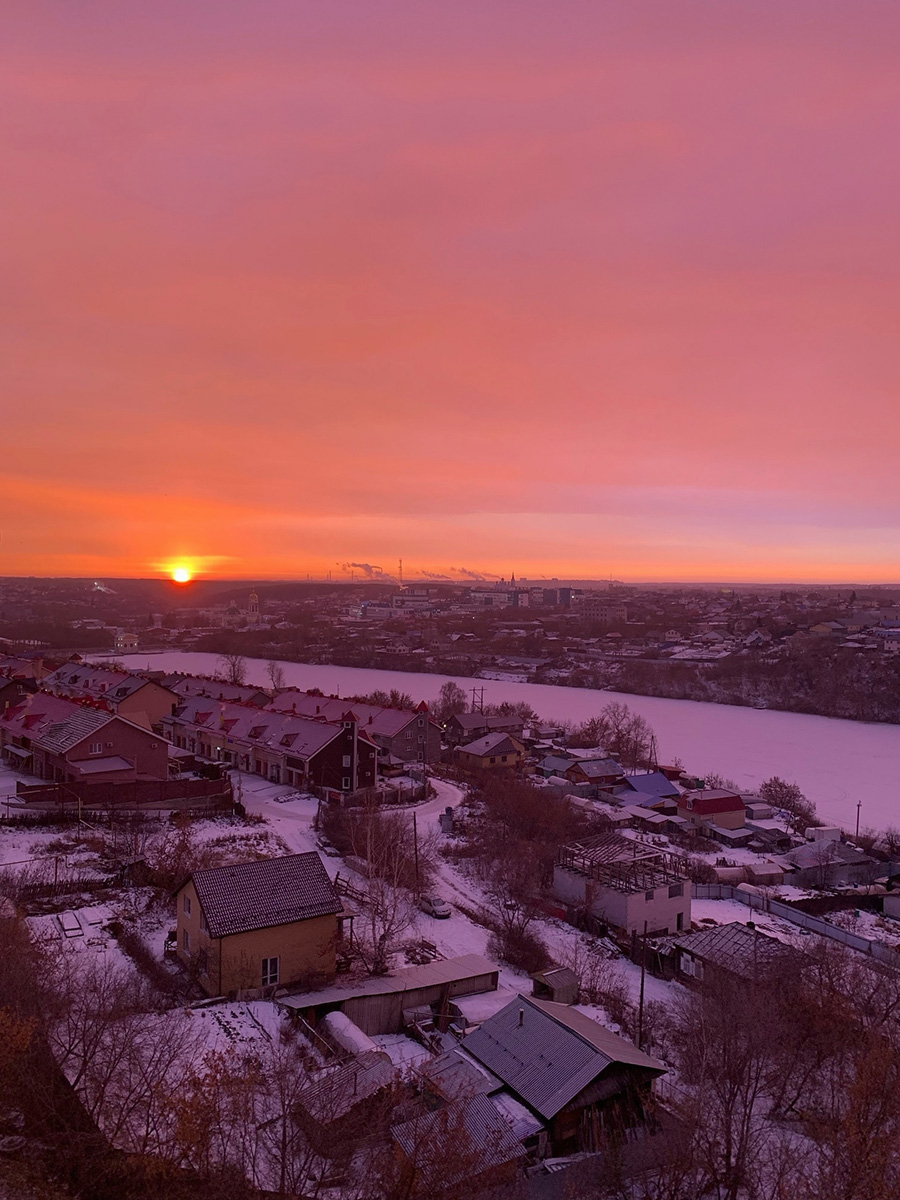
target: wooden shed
559 984
377 1005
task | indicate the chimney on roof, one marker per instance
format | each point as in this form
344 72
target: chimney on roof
521 1017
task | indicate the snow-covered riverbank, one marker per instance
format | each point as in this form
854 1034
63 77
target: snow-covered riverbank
836 763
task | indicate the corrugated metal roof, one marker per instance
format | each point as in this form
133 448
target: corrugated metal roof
732 947
271 891
443 970
547 1053
480 1136
456 1074
557 976
336 1090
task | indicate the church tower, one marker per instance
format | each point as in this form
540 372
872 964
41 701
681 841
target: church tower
253 609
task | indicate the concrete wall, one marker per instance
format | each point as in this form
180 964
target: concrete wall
626 911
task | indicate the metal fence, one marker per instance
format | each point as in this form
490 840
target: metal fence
724 891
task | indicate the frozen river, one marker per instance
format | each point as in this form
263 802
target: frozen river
836 763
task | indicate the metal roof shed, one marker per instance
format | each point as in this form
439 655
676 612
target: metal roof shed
376 1005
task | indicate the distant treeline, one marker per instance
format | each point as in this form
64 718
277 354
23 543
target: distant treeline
824 680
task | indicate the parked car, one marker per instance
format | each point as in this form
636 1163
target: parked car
434 906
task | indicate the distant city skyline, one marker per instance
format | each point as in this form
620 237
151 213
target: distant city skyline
586 289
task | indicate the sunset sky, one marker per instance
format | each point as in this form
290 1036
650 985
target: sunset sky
575 289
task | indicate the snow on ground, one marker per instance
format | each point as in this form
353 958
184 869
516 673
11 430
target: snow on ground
232 1026
92 941
835 762
287 813
8 780
871 925
482 1006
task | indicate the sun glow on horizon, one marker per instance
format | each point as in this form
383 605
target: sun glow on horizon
181 574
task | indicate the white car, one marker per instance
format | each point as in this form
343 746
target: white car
434 906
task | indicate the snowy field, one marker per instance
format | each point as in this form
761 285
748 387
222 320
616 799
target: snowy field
835 762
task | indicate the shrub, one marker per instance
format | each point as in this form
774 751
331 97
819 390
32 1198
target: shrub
522 949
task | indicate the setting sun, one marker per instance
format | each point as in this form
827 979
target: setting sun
181 575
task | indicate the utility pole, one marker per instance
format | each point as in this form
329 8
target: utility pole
640 1039
858 807
416 850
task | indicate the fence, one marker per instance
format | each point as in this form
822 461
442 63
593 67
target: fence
724 891
116 797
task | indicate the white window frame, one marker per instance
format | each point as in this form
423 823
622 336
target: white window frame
271 970
185 941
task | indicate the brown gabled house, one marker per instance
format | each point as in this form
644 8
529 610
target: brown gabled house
259 925
65 742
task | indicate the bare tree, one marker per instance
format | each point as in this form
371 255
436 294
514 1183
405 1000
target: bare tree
275 672
234 668
385 842
779 794
451 701
625 735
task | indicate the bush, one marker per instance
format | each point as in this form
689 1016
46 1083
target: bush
522 949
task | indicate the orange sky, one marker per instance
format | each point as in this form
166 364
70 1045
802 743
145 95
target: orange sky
570 289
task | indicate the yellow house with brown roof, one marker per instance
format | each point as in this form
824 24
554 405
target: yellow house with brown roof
259 925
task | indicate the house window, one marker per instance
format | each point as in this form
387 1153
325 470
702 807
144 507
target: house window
409 733
421 722
269 971
493 760
679 921
648 895
203 962
503 759
345 783
95 748
203 924
187 905
676 889
347 760
185 941
421 738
